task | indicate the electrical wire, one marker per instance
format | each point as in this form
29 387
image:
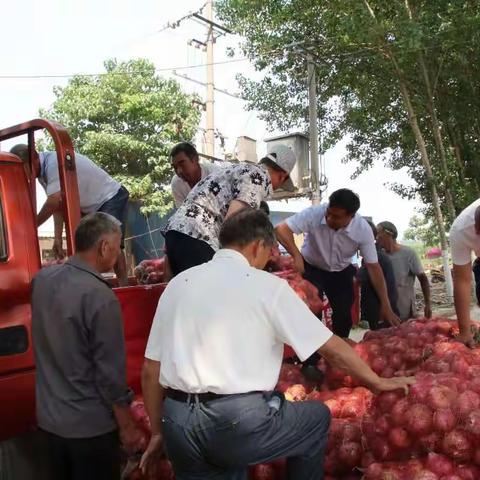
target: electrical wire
166 69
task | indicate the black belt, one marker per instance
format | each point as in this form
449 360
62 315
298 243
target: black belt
202 397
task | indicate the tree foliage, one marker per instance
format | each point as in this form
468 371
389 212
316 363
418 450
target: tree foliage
370 56
126 120
421 229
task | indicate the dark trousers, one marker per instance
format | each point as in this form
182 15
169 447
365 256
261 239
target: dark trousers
117 207
338 287
218 439
370 308
95 458
185 252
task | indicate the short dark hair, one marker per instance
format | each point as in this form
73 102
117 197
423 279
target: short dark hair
245 227
264 207
21 151
373 227
187 148
92 228
346 199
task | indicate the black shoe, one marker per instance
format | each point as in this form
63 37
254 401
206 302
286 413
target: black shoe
312 373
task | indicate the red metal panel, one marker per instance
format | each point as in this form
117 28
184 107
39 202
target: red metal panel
66 167
138 304
17 400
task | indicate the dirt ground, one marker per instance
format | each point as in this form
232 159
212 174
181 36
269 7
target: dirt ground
441 306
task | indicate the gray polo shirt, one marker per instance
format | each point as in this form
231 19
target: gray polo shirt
79 348
406 267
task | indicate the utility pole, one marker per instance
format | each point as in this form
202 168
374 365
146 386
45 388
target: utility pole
313 129
210 134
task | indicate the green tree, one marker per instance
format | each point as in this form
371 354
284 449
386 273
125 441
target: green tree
389 77
400 79
127 120
421 229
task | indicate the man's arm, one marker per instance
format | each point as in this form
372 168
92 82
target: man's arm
107 346
53 204
425 284
58 228
153 399
285 237
378 281
340 355
462 285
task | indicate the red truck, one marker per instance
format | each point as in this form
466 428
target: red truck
19 262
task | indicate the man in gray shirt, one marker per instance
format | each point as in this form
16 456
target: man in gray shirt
406 267
82 397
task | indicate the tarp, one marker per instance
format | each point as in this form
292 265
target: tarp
434 252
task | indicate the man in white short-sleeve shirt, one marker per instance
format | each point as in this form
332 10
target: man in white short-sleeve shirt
97 191
464 240
334 232
188 170
216 347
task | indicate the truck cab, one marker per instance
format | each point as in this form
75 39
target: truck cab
20 261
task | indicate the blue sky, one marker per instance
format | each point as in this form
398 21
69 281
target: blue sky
59 37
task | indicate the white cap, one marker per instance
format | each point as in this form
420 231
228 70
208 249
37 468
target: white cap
285 158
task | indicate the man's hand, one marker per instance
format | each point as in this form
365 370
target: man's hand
466 338
132 438
389 315
57 249
389 384
428 310
153 451
299 264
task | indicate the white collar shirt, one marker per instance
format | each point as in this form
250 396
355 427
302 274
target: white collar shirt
463 237
181 188
328 249
221 327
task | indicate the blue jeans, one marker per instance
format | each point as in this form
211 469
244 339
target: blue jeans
117 207
218 439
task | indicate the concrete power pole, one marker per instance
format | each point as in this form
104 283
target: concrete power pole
210 130
313 130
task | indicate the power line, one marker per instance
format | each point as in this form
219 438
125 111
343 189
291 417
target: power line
71 75
198 82
280 50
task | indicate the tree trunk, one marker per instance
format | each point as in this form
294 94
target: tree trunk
437 135
412 118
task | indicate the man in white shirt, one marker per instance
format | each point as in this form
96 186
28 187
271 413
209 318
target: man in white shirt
98 192
334 232
188 170
464 239
215 350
